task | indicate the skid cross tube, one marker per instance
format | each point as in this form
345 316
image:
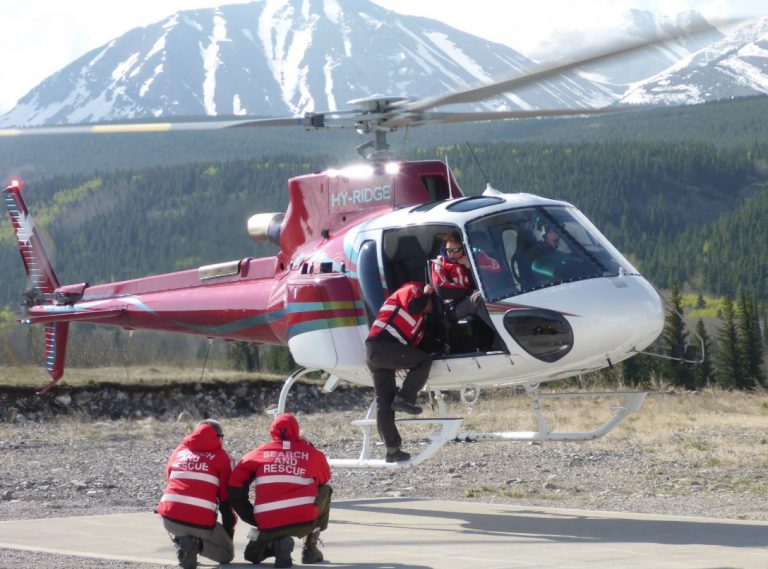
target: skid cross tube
286 389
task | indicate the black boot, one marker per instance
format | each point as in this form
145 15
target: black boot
310 553
395 454
283 547
186 551
404 404
257 552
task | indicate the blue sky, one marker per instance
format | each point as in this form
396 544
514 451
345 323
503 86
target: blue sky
40 37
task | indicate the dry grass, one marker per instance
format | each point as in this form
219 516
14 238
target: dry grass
707 428
35 376
661 412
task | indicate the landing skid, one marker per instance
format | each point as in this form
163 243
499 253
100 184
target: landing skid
633 400
449 426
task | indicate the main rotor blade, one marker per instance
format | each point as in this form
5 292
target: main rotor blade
149 127
543 72
446 118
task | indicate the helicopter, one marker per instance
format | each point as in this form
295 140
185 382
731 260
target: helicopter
351 236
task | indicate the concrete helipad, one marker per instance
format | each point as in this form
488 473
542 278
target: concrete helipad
419 534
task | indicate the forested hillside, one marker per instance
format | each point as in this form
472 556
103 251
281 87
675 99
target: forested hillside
691 213
737 123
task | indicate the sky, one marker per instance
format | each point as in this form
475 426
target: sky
40 37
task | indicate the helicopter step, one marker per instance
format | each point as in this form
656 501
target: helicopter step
449 429
633 400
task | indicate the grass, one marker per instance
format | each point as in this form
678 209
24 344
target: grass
35 376
712 428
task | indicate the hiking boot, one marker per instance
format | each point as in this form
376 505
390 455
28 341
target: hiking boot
400 403
394 454
186 551
258 553
310 553
283 547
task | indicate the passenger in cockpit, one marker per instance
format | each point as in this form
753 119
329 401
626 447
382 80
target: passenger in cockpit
453 280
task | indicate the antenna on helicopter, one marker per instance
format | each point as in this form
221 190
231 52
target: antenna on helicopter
477 163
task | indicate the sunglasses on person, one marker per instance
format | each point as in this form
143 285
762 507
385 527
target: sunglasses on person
454 249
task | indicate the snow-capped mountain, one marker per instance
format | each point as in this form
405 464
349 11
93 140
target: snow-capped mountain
287 57
735 66
279 58
642 25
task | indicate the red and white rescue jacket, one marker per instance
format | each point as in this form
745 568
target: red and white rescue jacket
198 479
286 474
402 315
454 276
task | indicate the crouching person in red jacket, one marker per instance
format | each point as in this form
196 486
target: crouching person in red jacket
198 481
292 495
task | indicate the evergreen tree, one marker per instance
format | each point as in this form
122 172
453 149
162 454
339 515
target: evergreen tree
704 372
728 362
244 356
638 370
278 359
750 342
674 338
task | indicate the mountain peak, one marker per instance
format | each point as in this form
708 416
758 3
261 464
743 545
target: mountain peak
289 57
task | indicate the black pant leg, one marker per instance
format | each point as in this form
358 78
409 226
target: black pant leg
417 375
379 357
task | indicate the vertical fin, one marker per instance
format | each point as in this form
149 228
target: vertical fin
37 264
42 280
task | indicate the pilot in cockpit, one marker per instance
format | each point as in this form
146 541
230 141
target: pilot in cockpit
551 238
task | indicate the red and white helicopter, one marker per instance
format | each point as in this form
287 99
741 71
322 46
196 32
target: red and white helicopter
352 235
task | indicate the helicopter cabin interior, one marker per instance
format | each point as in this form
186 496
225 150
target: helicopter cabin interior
407 254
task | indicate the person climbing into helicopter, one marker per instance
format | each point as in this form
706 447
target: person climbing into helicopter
392 344
292 497
454 283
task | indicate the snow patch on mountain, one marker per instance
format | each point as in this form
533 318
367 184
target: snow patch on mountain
734 66
289 57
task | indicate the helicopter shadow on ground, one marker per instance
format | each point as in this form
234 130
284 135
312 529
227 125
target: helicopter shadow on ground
546 525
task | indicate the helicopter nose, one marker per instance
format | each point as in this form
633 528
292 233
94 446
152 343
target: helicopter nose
624 315
588 320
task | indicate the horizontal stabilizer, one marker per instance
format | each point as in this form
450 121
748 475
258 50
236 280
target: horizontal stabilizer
45 314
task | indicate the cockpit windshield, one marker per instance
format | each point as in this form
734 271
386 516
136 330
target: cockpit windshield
539 247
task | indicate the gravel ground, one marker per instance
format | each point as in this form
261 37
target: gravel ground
70 467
